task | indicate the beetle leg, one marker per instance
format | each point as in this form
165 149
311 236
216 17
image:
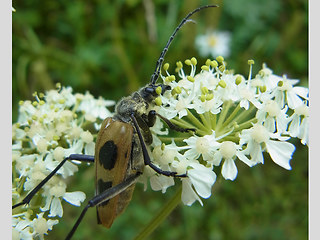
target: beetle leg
146 157
169 123
102 197
143 124
79 157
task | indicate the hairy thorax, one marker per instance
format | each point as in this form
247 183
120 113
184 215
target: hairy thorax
134 104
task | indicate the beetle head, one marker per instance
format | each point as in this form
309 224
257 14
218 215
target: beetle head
149 92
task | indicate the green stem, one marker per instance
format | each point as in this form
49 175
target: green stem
195 121
160 216
232 115
230 138
168 139
21 184
205 121
181 123
246 124
223 114
184 124
244 114
213 119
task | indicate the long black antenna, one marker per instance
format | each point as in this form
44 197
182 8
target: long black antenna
156 73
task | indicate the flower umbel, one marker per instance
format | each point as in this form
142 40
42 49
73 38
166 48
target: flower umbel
235 118
49 129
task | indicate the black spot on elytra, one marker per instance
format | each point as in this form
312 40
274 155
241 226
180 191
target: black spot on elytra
108 155
102 186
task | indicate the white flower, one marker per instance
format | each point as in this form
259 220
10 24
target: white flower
212 105
202 179
229 90
64 97
162 157
204 146
35 175
292 95
247 95
160 182
214 44
280 151
97 108
21 228
229 151
188 195
177 106
273 117
168 158
53 159
266 78
299 125
55 189
24 162
209 79
42 225
158 129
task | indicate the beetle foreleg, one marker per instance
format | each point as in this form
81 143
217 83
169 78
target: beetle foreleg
146 157
144 125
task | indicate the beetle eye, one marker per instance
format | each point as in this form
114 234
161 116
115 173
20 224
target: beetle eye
149 90
164 88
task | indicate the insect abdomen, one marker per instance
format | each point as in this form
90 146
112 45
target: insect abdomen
112 159
124 199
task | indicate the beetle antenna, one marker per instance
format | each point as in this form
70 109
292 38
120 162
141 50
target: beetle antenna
156 73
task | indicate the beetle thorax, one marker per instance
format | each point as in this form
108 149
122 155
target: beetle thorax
134 103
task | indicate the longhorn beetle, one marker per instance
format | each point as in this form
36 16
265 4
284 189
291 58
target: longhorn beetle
121 148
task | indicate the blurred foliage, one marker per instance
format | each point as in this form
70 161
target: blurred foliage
110 48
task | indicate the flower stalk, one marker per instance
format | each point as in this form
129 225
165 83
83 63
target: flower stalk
160 216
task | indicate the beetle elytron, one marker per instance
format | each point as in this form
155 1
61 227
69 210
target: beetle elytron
121 148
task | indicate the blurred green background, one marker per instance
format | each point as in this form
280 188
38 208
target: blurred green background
110 48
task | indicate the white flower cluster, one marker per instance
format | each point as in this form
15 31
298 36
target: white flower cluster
48 130
235 119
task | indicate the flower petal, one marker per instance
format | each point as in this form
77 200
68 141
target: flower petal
202 179
294 127
74 198
229 169
294 100
280 152
89 148
56 208
217 157
256 153
161 182
188 195
244 159
301 91
48 203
